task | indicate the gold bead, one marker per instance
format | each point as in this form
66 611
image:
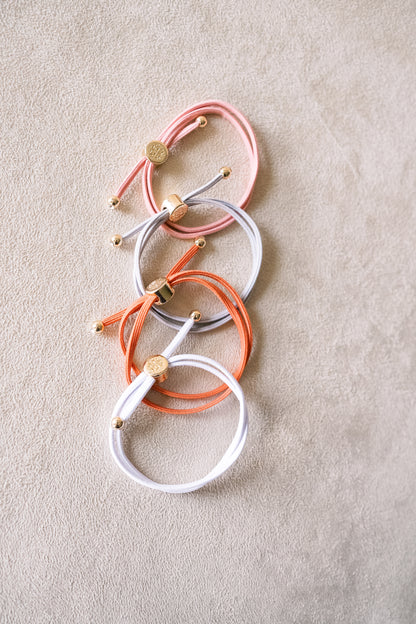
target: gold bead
117 423
176 207
200 242
162 289
157 367
202 121
116 240
97 327
113 201
196 315
156 152
225 172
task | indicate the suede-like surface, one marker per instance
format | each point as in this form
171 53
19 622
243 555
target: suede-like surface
315 523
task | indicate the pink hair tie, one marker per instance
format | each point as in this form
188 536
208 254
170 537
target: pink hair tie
157 153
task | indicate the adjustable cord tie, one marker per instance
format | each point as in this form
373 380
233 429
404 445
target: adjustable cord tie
135 394
141 307
156 153
147 228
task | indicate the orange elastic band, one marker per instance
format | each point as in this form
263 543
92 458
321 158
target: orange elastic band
141 306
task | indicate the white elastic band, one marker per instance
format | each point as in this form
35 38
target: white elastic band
137 390
148 228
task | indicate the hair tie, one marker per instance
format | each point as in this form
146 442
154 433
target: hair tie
159 292
156 153
134 394
175 208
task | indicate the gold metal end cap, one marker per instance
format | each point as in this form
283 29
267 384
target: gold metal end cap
225 172
202 121
116 423
156 152
113 201
97 327
195 315
162 289
200 241
157 367
116 240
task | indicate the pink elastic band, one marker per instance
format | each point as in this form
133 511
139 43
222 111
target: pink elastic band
182 125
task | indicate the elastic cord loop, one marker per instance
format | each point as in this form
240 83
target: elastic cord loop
134 395
235 310
182 125
150 226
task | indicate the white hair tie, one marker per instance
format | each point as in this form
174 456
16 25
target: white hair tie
148 227
137 390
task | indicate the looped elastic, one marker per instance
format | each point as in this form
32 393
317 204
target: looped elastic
250 228
134 394
235 309
182 125
147 228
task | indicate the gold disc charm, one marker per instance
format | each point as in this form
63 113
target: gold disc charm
157 367
156 152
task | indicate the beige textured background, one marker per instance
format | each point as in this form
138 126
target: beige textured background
316 521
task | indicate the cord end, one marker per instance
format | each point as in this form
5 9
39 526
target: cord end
195 315
97 327
116 240
225 172
200 242
113 202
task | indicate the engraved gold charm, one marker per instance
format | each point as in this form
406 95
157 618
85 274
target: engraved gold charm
157 367
162 289
177 208
156 152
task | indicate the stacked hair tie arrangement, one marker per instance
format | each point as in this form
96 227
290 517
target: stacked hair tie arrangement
153 297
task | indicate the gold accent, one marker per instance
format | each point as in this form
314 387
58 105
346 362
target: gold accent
162 289
156 152
157 367
116 423
202 121
200 242
196 315
113 201
176 207
97 327
225 172
116 240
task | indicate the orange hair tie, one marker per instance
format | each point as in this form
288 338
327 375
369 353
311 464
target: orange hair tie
230 299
